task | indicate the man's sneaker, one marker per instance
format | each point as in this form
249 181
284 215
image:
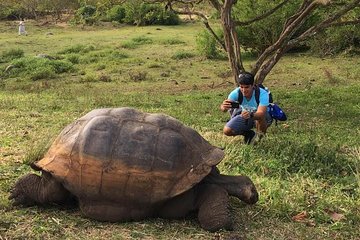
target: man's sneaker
249 137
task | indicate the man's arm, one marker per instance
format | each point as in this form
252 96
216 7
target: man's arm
260 113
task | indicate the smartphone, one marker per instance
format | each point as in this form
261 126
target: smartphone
235 105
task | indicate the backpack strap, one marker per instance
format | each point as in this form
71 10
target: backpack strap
240 97
257 94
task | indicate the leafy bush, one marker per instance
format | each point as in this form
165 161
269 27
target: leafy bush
60 66
78 48
140 13
11 11
85 15
258 36
116 13
73 58
42 72
137 41
12 54
336 40
207 45
39 68
261 34
181 55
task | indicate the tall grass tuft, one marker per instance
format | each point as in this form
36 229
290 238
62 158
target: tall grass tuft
11 54
182 55
39 68
354 155
207 45
36 152
78 48
136 42
172 41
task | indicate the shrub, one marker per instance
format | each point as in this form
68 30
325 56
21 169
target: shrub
116 13
336 40
89 77
85 15
78 48
207 45
42 72
12 54
39 68
181 55
137 41
140 13
73 58
257 36
155 14
61 66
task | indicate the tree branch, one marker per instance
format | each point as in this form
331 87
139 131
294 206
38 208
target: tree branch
290 26
260 17
326 23
267 66
216 4
353 22
202 16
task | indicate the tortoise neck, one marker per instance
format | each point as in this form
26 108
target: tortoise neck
238 186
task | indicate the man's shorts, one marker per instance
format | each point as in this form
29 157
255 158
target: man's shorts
240 125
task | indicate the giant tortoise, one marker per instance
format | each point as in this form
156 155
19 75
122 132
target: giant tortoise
121 164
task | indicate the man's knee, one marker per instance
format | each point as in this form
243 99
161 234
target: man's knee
228 131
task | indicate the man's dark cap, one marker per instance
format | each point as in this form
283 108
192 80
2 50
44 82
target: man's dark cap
246 78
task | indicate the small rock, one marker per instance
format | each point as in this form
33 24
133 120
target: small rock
42 55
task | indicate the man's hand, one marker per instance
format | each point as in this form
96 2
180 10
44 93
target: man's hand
226 105
245 114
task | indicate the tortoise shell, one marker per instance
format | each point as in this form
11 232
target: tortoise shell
122 154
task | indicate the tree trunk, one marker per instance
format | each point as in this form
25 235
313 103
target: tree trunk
231 39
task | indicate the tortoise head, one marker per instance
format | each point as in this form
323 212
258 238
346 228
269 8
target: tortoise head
238 186
243 188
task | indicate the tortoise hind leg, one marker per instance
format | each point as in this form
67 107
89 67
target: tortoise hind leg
214 208
32 189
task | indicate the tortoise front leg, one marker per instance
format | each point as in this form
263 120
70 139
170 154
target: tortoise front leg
214 208
32 189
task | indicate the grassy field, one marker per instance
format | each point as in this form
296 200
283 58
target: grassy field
307 170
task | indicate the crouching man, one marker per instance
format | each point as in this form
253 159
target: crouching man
247 105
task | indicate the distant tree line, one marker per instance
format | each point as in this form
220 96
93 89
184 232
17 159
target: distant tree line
272 28
90 12
267 29
18 9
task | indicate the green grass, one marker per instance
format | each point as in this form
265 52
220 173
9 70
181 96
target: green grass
309 163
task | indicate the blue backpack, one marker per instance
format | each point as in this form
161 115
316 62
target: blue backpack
274 110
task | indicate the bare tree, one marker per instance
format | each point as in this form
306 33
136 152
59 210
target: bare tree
286 40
